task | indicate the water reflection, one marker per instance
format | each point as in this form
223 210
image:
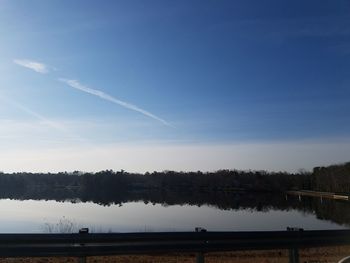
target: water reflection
33 216
155 210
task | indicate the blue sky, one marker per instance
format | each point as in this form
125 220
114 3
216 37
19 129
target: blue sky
171 74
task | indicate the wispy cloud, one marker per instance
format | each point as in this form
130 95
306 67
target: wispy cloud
43 120
36 115
76 85
33 65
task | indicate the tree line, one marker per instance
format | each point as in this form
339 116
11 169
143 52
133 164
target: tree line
334 178
119 181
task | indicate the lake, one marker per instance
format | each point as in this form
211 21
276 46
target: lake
242 213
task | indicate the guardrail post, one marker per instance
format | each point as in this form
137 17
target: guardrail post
293 255
200 255
83 231
294 252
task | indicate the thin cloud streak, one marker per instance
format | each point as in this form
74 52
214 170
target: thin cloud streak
53 124
33 65
38 116
76 85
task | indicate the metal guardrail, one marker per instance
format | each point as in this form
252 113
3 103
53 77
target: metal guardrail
83 245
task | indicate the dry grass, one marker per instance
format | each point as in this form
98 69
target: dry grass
313 255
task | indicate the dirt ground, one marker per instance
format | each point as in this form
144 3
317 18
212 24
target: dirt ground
312 255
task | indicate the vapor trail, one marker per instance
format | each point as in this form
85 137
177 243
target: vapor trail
53 124
76 85
48 122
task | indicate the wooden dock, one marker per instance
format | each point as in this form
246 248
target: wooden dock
319 194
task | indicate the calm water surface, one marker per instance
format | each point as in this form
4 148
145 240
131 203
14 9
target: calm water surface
34 216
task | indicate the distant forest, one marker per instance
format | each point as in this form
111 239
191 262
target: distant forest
335 178
117 182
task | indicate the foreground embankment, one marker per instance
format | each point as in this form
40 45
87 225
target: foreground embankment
310 255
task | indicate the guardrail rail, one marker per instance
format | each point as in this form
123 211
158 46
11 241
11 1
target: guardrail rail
83 245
